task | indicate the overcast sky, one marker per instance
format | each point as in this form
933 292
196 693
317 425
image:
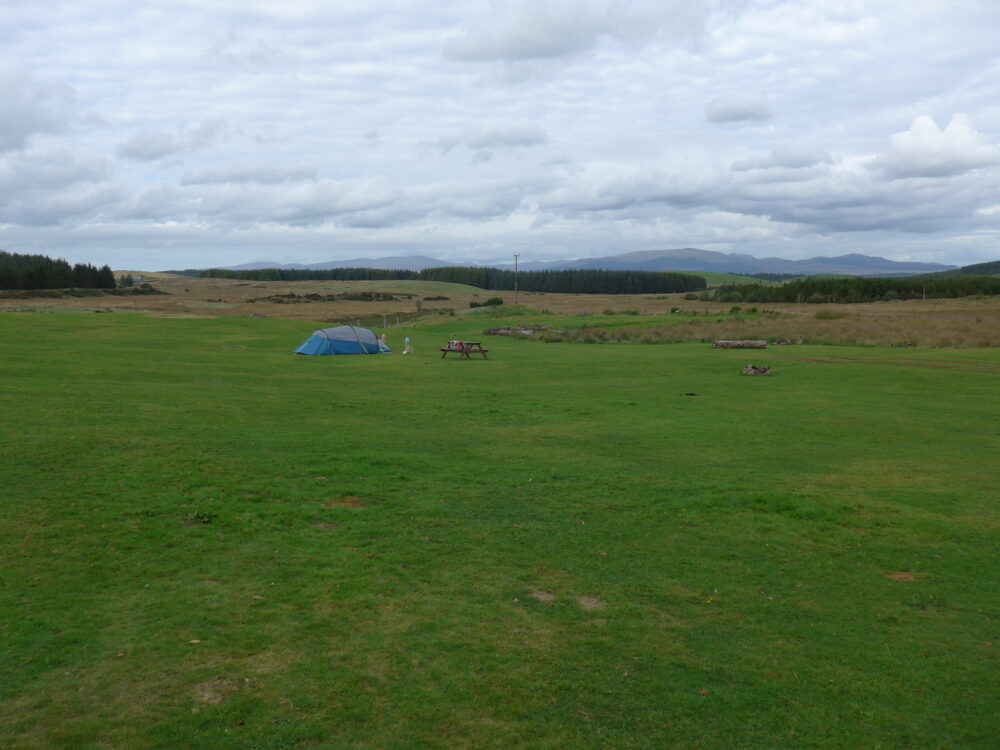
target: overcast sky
153 134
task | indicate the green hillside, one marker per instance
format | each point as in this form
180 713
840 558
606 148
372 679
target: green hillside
990 268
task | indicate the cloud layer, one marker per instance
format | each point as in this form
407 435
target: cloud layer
301 131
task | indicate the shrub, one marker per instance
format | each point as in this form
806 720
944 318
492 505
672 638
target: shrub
690 295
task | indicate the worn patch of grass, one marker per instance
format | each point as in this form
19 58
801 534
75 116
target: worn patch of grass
210 542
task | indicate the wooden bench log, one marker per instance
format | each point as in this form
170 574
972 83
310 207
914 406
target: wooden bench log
739 345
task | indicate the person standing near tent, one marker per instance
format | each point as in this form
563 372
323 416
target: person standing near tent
408 349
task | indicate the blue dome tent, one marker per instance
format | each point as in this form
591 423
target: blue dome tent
343 340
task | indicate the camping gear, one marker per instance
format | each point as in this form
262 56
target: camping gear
343 340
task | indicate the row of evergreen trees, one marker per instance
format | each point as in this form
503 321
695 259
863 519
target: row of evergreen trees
19 271
299 274
567 282
863 289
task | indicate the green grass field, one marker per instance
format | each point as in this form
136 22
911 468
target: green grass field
208 542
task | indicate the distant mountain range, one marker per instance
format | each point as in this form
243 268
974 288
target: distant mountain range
405 262
692 259
685 259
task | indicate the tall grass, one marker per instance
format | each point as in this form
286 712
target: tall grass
975 329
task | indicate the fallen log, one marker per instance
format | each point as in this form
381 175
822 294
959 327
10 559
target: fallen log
739 345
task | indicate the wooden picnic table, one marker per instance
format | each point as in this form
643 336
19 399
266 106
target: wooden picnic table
464 349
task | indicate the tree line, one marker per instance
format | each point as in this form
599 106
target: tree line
19 271
589 281
860 289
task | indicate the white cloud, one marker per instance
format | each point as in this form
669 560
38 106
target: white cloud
927 151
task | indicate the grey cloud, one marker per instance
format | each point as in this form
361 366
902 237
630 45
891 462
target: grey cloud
360 203
509 136
847 197
50 170
246 173
482 141
61 207
154 145
787 157
533 30
927 151
150 146
30 108
251 203
51 188
826 196
738 108
613 190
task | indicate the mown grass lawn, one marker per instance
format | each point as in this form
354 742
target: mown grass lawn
208 542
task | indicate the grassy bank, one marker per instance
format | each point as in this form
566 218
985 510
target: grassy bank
209 542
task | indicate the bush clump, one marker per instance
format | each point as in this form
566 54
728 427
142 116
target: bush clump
491 302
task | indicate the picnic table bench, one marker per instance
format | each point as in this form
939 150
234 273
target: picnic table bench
463 349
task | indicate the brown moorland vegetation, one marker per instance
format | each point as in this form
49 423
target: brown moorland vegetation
939 322
965 323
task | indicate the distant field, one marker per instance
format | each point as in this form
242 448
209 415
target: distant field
715 279
209 542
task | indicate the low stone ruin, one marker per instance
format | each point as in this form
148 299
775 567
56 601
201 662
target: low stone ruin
757 370
515 331
739 345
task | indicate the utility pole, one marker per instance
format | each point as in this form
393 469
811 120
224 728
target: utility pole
516 256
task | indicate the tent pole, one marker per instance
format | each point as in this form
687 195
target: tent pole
358 339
